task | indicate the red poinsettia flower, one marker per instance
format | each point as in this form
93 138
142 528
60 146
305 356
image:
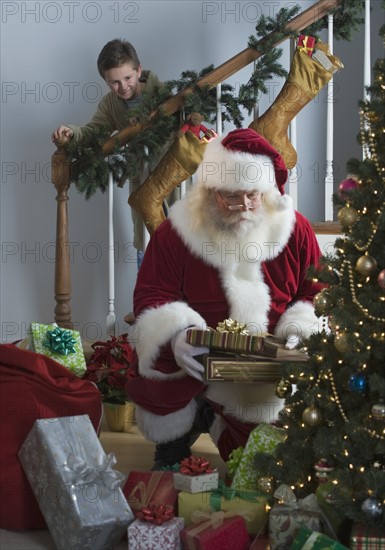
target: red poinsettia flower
109 367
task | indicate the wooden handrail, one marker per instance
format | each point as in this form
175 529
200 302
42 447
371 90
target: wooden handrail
227 69
61 169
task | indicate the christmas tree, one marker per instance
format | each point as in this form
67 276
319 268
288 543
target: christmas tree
335 420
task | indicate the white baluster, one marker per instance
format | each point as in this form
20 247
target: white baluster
110 321
329 176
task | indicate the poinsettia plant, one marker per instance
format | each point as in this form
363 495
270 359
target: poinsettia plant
109 367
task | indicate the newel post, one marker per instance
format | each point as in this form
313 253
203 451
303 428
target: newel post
61 181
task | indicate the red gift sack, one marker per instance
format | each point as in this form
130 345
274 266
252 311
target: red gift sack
33 386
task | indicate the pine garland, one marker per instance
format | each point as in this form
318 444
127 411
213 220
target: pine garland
89 168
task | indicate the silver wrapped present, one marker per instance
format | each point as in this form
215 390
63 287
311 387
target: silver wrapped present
72 478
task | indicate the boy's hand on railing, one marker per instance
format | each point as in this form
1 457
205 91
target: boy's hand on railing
62 135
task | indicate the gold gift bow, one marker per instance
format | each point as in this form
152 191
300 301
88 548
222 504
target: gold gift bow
145 491
229 325
303 47
214 520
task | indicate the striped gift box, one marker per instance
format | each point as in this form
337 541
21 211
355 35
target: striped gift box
229 341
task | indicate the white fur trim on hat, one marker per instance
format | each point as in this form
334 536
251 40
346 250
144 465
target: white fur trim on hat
228 170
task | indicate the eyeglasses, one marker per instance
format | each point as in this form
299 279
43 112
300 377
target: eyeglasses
231 201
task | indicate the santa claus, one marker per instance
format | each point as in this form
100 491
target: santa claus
233 247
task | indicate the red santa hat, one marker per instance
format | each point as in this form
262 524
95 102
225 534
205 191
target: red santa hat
243 160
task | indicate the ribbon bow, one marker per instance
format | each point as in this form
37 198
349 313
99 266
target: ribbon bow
156 513
77 471
229 325
60 341
195 466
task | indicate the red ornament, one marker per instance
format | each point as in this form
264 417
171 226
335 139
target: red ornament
346 186
381 279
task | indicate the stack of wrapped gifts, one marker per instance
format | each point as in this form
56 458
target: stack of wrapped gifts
238 356
87 504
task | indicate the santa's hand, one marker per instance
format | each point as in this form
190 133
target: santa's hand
184 355
292 341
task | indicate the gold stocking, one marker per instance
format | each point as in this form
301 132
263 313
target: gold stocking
180 162
307 76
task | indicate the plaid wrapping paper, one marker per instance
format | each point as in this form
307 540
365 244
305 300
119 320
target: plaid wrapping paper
367 538
74 484
75 362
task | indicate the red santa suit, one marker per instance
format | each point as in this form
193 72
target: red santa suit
191 276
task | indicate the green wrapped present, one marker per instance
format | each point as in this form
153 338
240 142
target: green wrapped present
62 345
306 539
263 439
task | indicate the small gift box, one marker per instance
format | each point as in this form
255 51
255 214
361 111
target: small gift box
287 516
156 528
63 345
195 476
250 504
306 44
263 439
306 539
229 335
367 538
223 530
145 488
72 478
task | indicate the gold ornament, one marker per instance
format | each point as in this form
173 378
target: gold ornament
265 484
283 389
366 265
342 342
347 216
312 416
322 302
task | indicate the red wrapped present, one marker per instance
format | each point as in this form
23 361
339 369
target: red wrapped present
306 44
222 530
144 488
367 538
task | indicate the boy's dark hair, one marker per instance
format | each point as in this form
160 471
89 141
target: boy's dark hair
116 53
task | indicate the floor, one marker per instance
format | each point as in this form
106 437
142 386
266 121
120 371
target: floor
132 452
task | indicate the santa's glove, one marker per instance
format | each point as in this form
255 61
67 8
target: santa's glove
184 355
292 341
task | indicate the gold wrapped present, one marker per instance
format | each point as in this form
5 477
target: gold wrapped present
236 368
250 504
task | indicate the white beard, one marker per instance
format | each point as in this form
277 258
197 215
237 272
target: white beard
233 228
